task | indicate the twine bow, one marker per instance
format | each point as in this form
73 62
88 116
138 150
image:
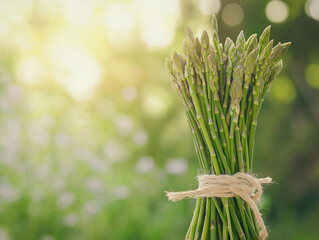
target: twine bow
243 185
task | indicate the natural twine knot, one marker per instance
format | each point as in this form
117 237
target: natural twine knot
225 186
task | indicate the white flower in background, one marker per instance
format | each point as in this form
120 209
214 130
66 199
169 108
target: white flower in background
57 184
129 94
92 208
8 192
47 121
105 108
157 21
176 166
94 185
47 237
13 163
10 136
36 194
62 140
71 219
4 235
5 104
98 164
111 150
119 22
82 153
66 167
15 93
114 151
144 165
140 138
122 192
124 124
65 200
42 171
5 78
38 135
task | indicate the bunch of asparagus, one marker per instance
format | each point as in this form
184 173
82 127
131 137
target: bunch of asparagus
222 89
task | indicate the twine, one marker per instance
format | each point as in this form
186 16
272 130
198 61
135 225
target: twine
225 186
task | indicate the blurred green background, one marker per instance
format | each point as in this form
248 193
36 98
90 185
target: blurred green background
91 133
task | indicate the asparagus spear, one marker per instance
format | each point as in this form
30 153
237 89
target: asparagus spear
222 89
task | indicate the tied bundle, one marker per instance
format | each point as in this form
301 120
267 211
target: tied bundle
222 88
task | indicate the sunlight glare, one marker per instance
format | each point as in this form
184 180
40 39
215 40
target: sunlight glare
76 71
157 21
277 11
29 70
312 9
233 14
210 7
119 21
156 102
77 12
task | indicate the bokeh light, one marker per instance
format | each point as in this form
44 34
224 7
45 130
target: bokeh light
177 166
119 21
75 70
312 9
144 165
232 14
77 12
156 102
210 7
30 70
284 90
277 11
129 93
157 21
312 75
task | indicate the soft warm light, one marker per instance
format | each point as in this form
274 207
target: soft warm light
77 12
124 124
29 70
312 75
105 108
75 70
144 165
15 11
140 138
312 9
155 102
129 94
3 28
209 7
157 21
233 14
119 21
277 11
284 90
177 166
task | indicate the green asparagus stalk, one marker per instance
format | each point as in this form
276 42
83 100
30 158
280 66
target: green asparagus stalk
222 89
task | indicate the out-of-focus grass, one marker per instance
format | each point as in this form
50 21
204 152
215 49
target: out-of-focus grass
91 133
